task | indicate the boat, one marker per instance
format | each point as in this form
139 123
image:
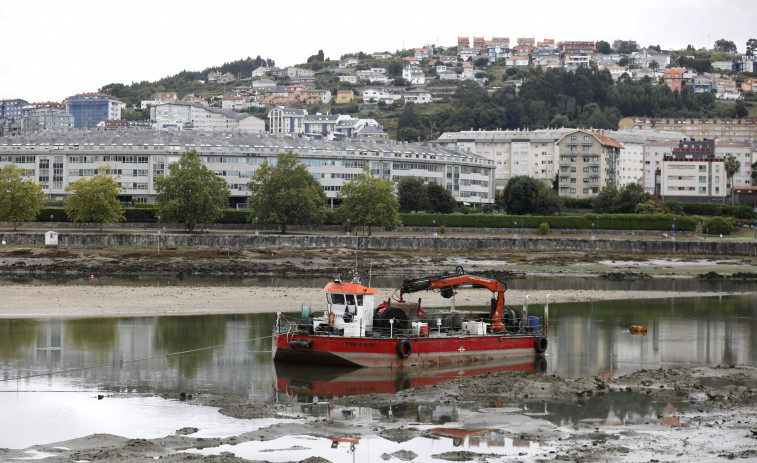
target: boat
402 334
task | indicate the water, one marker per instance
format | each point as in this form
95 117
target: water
54 364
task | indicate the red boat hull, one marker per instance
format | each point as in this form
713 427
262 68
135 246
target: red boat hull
385 352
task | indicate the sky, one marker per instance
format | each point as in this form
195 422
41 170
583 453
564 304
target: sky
57 48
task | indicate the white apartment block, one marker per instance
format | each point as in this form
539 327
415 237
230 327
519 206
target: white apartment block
534 152
180 115
139 157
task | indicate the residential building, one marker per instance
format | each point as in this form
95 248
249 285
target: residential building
722 65
674 78
745 63
280 94
349 62
721 129
90 108
502 42
422 53
296 73
349 79
180 115
463 42
577 47
588 161
447 75
645 58
517 60
693 171
546 43
12 109
344 96
286 121
725 88
496 53
573 62
411 61
449 60
322 124
417 96
108 124
194 99
479 43
414 75
467 54
381 54
749 84
701 84
46 120
374 95
235 103
616 71
139 157
221 78
309 97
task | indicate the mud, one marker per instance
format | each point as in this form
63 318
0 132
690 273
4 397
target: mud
711 415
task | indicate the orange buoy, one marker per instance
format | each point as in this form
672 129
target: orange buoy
638 329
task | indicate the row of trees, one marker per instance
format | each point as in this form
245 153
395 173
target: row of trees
281 193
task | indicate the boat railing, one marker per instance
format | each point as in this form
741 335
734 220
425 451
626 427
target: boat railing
292 324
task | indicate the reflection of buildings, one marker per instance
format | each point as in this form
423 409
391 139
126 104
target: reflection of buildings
596 340
235 368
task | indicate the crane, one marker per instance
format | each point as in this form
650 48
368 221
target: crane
447 283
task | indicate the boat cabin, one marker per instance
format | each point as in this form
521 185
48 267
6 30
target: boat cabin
349 307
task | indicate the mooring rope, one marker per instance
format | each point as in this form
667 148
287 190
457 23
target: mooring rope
121 362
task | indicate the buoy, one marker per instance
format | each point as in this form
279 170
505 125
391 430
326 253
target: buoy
638 329
91 276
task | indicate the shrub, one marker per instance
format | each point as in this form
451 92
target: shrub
717 226
442 230
544 228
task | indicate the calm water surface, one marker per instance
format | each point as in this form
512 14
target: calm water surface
54 364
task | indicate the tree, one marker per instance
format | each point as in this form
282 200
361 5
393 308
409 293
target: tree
726 46
731 166
369 201
412 195
20 199
751 46
603 47
612 200
285 193
654 65
521 194
440 199
191 193
481 62
95 199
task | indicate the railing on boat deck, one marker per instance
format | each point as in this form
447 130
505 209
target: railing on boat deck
294 324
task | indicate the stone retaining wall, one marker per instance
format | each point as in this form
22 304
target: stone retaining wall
384 243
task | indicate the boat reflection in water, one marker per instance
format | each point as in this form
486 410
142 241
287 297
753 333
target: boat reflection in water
301 380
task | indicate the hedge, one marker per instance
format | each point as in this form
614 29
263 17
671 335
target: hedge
606 221
706 209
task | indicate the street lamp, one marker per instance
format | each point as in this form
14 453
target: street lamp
434 222
515 227
256 226
523 225
348 227
674 228
715 200
158 234
755 230
597 226
592 230
51 222
445 224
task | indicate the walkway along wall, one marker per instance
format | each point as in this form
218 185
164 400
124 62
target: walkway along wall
387 243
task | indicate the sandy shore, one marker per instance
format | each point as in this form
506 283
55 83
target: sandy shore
23 301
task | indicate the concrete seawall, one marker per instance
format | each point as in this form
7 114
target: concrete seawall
384 243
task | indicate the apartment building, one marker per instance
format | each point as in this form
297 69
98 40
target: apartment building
90 108
674 78
139 157
587 161
722 129
658 151
180 115
693 171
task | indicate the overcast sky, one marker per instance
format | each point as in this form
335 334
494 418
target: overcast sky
56 48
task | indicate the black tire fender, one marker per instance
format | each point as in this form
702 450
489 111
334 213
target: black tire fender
540 344
404 349
403 382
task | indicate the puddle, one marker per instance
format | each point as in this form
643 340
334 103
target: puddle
59 416
374 449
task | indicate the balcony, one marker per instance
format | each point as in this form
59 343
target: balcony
565 174
564 163
593 163
572 142
594 174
